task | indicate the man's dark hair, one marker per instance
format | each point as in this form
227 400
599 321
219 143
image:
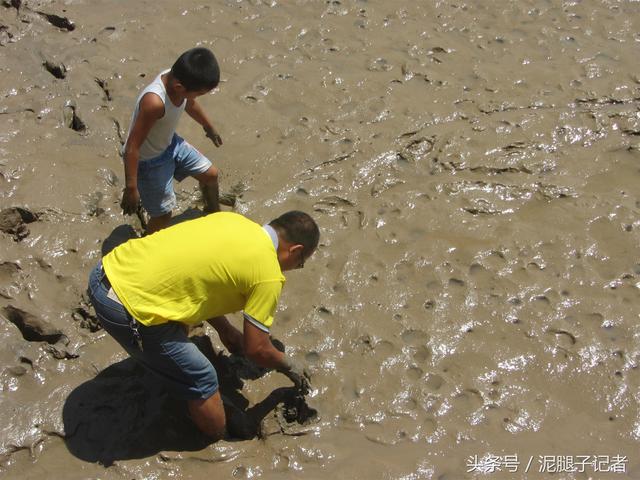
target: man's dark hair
298 227
197 69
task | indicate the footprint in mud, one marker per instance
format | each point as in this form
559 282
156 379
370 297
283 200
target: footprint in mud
351 390
421 354
391 430
563 338
414 337
379 65
414 373
8 272
106 89
381 348
541 300
385 349
468 400
434 382
476 269
494 393
71 118
312 358
595 318
480 274
428 427
417 341
417 149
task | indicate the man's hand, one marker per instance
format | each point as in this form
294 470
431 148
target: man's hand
213 135
297 373
130 200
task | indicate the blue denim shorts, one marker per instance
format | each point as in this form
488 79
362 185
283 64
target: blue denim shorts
155 176
166 350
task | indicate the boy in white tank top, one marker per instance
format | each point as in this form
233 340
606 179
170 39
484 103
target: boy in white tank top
154 154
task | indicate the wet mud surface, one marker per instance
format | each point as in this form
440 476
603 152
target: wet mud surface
474 170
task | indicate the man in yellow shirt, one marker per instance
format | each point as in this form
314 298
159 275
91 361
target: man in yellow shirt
146 290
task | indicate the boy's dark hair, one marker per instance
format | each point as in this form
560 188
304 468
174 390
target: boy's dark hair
197 69
298 227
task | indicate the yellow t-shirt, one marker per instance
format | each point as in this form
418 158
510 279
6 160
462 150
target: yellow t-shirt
198 269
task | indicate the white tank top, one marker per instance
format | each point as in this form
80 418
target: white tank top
161 134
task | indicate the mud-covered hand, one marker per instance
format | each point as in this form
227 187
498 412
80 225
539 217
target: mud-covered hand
297 373
213 135
130 200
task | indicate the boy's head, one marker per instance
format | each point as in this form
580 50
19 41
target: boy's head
197 70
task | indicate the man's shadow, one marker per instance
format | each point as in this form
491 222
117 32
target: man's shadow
125 413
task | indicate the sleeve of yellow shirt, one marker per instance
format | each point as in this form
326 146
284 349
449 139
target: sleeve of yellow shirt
262 302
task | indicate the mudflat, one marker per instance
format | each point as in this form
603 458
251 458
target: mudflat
472 311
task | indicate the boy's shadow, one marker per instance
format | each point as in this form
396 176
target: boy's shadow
125 413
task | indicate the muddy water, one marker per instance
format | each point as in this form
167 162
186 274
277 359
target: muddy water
474 170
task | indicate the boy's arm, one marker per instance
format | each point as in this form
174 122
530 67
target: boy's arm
195 112
151 109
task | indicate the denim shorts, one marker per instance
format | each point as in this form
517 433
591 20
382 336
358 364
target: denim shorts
166 350
155 176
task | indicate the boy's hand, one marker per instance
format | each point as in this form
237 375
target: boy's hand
213 135
130 200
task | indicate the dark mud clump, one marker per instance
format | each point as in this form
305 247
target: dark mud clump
33 329
63 23
14 220
58 70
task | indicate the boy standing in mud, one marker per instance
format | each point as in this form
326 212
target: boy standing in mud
154 154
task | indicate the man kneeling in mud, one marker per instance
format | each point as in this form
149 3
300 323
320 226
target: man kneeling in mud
146 290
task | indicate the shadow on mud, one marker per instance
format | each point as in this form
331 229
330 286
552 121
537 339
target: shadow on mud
125 413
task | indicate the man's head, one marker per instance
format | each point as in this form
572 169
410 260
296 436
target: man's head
197 70
298 236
